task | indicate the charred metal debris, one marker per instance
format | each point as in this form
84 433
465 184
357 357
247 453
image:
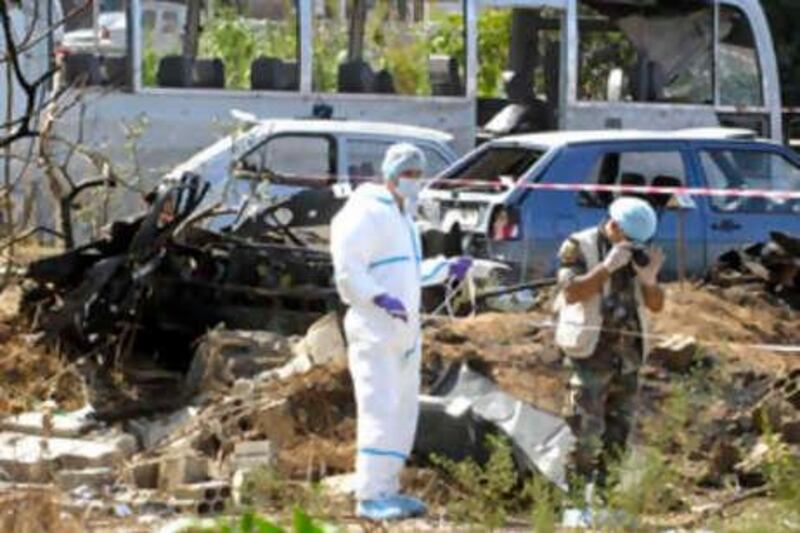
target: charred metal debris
772 267
133 304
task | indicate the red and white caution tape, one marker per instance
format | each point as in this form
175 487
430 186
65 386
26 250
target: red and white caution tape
632 189
505 183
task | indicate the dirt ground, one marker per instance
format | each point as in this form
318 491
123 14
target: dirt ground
515 350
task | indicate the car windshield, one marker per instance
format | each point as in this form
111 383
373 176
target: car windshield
492 170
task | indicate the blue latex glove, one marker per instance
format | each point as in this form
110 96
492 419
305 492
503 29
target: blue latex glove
391 305
459 268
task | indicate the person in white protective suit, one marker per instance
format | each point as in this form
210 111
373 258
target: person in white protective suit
379 271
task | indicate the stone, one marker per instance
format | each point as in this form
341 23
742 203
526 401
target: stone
30 458
150 432
676 353
749 470
275 420
66 425
324 341
181 468
253 454
343 484
95 478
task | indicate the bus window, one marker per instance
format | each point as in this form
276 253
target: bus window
95 45
381 46
237 45
659 52
519 69
738 71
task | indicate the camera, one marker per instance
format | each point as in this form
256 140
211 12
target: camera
640 255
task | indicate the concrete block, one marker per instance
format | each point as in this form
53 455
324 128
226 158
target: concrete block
180 469
253 454
150 431
29 458
275 420
144 475
207 491
65 425
91 477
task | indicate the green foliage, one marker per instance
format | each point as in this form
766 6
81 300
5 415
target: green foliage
494 36
150 59
644 482
485 494
782 470
251 522
229 37
546 502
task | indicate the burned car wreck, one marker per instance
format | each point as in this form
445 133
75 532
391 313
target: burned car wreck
137 300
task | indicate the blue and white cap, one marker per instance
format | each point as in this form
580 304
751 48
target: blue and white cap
635 217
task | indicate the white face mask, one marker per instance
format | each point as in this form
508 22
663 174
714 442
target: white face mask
409 189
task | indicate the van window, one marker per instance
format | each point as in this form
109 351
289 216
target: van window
658 51
490 168
364 158
750 169
411 48
642 168
148 20
306 156
170 22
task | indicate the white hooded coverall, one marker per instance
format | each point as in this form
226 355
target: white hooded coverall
376 250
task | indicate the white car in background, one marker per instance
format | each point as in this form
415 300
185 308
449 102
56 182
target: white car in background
162 29
288 155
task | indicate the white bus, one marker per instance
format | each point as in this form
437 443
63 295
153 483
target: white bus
475 68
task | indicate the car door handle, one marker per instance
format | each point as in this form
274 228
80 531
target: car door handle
726 225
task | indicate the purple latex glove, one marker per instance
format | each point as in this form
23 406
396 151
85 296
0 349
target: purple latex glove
459 268
391 305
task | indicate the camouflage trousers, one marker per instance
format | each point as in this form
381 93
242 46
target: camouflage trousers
601 408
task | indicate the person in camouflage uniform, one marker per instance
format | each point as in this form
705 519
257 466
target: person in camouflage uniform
604 382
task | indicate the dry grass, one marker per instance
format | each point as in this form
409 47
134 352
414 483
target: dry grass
35 511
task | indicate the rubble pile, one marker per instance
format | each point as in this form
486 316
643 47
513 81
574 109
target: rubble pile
135 303
764 269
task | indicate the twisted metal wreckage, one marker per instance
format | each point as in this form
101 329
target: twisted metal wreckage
137 302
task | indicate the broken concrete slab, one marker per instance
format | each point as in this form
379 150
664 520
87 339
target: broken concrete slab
275 420
182 468
253 454
150 431
66 425
95 478
30 458
205 491
324 342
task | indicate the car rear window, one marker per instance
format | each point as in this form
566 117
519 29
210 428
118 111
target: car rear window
491 170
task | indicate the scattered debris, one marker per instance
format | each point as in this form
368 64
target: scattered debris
773 267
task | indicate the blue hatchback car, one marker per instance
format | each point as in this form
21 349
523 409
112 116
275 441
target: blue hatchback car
485 193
